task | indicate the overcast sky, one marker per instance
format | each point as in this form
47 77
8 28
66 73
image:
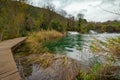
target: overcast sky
90 8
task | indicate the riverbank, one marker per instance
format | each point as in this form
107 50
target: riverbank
86 66
48 66
33 52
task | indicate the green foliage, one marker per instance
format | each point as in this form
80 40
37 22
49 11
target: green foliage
57 25
100 72
109 26
94 72
81 22
96 68
18 19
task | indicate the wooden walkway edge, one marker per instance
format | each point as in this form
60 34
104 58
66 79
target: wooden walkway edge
8 68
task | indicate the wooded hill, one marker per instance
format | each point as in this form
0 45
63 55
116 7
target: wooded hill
18 19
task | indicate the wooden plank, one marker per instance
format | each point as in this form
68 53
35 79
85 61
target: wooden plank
8 68
8 44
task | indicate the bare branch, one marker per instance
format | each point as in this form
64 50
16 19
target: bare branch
110 11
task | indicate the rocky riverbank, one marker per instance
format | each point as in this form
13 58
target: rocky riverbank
49 67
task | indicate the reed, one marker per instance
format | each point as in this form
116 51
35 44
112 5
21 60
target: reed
36 39
110 46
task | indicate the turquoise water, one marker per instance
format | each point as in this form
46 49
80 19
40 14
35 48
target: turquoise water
76 45
65 44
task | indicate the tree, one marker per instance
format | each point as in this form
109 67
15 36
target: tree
62 12
80 19
117 13
3 17
50 6
79 15
71 24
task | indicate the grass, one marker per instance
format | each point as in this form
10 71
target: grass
100 72
36 40
51 62
96 72
45 60
34 44
105 71
110 46
43 35
33 51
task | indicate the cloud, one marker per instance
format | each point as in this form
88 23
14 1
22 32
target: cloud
57 4
90 8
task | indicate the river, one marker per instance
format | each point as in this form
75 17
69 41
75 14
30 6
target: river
76 45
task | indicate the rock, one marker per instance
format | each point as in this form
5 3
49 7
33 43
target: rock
62 68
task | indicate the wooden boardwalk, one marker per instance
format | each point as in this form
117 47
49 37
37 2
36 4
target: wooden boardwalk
8 68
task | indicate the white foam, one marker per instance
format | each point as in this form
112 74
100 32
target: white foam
73 33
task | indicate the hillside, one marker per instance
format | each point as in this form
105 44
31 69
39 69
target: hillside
18 19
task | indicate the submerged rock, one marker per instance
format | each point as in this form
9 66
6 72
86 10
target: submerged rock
62 68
